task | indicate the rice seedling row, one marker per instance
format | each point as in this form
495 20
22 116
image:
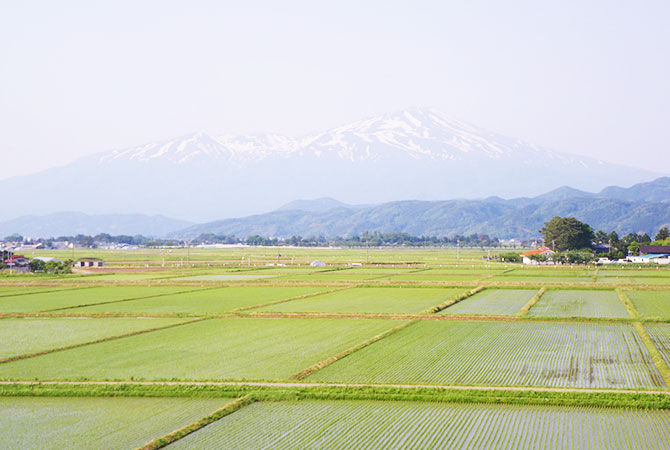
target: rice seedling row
651 304
244 349
493 302
578 355
32 335
206 301
390 424
81 422
45 301
576 303
370 300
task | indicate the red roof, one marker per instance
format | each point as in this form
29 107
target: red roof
538 251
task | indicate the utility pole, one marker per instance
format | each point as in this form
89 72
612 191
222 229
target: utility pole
458 249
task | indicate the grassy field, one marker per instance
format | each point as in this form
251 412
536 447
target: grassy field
413 425
103 423
237 349
492 302
206 301
371 300
502 354
574 303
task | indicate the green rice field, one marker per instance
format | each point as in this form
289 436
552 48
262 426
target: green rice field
215 349
58 300
341 356
206 301
502 354
574 303
371 300
651 303
492 302
31 335
413 425
104 423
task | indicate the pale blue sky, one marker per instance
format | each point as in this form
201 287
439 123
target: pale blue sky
76 78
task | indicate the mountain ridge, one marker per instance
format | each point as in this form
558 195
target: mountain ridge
412 154
514 218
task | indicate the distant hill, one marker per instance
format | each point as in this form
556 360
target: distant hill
316 205
516 218
73 223
653 191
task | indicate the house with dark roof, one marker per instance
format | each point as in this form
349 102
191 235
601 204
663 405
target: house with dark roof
653 249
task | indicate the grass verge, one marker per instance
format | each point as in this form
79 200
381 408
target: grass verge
349 351
526 308
628 303
656 356
453 301
624 399
166 440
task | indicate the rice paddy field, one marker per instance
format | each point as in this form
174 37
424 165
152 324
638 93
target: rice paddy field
109 423
574 303
412 425
379 348
492 302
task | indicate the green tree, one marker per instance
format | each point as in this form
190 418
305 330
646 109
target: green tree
662 234
36 265
567 233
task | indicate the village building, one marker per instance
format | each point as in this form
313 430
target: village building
528 257
660 258
88 262
653 250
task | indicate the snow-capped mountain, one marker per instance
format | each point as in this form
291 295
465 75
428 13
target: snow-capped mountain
413 154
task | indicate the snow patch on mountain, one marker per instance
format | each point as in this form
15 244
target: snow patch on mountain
418 134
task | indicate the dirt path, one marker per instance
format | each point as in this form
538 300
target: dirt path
300 385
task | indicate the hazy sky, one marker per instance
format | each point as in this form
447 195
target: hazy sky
585 77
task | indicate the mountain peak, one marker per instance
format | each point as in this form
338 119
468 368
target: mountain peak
187 148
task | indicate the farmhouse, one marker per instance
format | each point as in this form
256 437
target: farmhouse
89 262
660 258
528 257
653 250
17 261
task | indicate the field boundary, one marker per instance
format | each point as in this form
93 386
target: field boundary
526 308
260 391
656 357
66 288
98 341
284 300
628 303
320 365
453 301
169 438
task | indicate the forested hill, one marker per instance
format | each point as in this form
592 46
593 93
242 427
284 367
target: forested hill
496 217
